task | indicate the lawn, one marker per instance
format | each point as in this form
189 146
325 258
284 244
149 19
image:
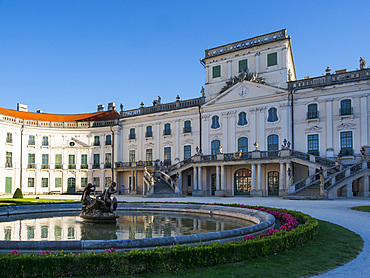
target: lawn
362 208
32 201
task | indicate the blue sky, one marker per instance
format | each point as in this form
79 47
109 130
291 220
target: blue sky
66 57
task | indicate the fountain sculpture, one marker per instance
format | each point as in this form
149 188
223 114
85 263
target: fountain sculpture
101 208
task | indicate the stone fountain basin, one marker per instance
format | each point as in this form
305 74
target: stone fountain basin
263 221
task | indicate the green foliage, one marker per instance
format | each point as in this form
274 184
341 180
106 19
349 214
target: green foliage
18 193
362 208
159 259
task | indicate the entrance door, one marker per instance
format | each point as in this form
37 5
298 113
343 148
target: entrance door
242 181
273 183
71 185
213 184
8 185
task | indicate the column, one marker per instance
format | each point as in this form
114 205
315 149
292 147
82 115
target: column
224 133
284 49
364 121
218 184
329 128
136 181
207 74
258 62
116 146
253 125
232 133
205 128
259 180
177 139
179 183
133 181
195 184
229 69
200 179
366 186
223 178
284 122
261 128
282 180
140 142
287 179
253 191
157 136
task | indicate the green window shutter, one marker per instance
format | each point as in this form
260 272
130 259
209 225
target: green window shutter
58 182
243 65
272 59
216 71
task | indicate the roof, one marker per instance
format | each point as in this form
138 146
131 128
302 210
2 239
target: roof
97 116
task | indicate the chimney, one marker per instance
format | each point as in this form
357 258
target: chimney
101 108
111 106
22 107
39 111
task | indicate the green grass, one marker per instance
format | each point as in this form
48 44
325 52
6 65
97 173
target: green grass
362 208
32 201
332 247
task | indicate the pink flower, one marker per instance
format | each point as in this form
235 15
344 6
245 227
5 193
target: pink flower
46 253
14 252
109 250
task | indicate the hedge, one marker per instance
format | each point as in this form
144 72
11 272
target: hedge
159 259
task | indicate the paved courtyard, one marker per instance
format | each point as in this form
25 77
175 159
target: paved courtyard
335 211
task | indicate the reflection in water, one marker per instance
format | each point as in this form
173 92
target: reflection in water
130 225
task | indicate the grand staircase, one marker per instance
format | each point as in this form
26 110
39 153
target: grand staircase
158 184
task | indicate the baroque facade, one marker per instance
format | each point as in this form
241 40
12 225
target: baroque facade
255 130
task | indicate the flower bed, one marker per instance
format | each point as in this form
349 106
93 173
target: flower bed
288 236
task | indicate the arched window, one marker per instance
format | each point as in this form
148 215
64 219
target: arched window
243 144
272 145
312 111
215 146
242 118
215 122
345 107
242 181
272 115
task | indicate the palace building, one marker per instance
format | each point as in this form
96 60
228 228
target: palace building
255 130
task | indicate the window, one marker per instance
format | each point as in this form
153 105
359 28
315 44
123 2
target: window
346 143
187 126
30 232
9 159
96 181
108 140
131 156
167 156
216 71
243 181
44 182
148 154
71 233
71 161
7 234
96 141
187 151
132 134
312 112
84 161
167 129
243 65
149 131
243 144
272 59
58 161
83 182
58 233
272 112
242 118
58 182
108 160
345 107
108 181
215 146
313 144
96 164
273 145
215 122
31 182
45 161
44 232
31 140
31 161
45 141
9 137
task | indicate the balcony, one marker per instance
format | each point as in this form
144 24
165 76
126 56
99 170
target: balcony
96 166
58 166
31 166
108 165
8 164
71 166
108 143
312 115
346 111
148 134
167 132
167 162
96 144
347 151
84 166
44 166
132 136
314 152
187 129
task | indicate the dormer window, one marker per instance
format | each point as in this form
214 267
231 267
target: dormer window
272 115
272 59
242 119
216 71
215 122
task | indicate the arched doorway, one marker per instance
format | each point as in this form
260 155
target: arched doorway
273 182
242 181
71 185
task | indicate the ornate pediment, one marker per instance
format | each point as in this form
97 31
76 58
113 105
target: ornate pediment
314 129
132 147
188 141
343 126
149 145
167 143
71 142
243 76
